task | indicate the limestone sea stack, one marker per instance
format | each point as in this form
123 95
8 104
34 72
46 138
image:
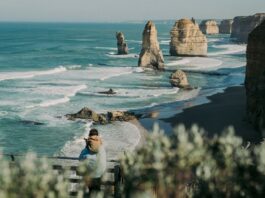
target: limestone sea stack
255 77
151 55
187 39
243 25
121 44
179 79
225 26
209 27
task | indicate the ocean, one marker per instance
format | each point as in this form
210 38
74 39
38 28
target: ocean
48 70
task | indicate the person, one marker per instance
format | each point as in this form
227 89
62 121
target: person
94 157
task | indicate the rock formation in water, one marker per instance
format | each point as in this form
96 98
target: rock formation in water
121 44
187 39
209 27
243 25
151 55
179 79
225 26
255 77
109 92
89 114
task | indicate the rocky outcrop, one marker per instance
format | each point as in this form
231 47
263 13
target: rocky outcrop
209 27
121 44
120 116
88 114
187 39
151 55
255 77
109 117
243 25
225 26
179 79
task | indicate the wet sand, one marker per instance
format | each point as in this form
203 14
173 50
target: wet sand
224 110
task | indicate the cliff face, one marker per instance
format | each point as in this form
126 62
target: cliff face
121 44
187 39
255 77
243 25
151 55
225 26
209 27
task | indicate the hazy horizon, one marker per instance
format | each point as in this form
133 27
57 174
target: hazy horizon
123 10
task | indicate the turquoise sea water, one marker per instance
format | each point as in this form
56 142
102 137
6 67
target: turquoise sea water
50 69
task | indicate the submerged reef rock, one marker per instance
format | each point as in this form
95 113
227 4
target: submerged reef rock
107 118
109 92
255 77
243 25
179 79
121 44
151 55
209 27
225 26
187 39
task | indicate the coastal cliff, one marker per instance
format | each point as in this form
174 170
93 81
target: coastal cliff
187 39
255 77
225 26
151 55
209 27
121 44
243 25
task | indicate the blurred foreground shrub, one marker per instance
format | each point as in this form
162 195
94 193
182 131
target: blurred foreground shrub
187 164
30 178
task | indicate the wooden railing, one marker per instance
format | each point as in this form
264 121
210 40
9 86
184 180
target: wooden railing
110 183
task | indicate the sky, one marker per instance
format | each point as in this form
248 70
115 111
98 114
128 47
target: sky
124 10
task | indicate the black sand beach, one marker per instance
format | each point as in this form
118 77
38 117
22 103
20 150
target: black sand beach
224 110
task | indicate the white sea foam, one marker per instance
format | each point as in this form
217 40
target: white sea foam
186 95
54 102
66 91
164 42
134 41
29 74
178 62
198 63
228 49
212 40
117 138
114 55
3 113
74 67
106 48
138 70
120 71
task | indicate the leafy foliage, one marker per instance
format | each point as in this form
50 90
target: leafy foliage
188 164
30 177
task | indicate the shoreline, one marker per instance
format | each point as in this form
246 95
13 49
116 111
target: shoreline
214 115
143 132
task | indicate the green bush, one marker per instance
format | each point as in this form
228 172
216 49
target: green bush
30 178
188 164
